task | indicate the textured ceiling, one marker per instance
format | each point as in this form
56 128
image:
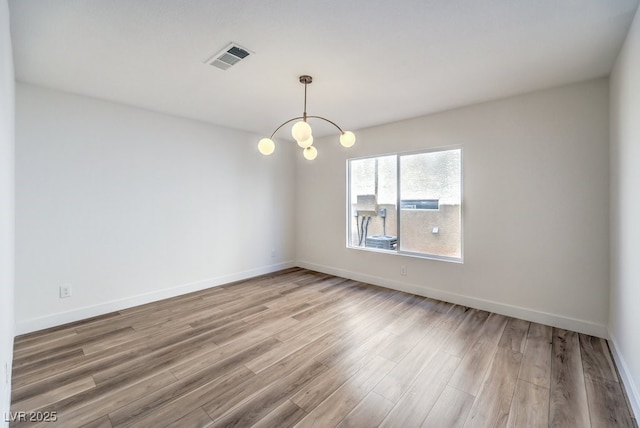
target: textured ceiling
373 61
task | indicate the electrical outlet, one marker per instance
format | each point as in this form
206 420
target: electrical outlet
65 291
273 253
403 270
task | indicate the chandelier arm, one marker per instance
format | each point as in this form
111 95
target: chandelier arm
326 120
283 124
307 117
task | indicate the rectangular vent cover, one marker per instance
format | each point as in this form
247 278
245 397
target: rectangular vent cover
229 56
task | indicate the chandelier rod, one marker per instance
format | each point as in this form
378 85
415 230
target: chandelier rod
304 112
306 79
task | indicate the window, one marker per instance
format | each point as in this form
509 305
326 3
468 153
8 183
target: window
407 203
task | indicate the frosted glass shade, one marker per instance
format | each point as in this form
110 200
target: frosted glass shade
310 153
266 146
301 131
306 143
347 139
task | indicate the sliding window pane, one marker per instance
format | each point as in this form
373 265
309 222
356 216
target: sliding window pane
430 203
372 201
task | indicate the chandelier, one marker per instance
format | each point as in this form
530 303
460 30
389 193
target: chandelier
301 131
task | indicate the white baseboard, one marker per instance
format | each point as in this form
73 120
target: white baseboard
35 324
580 326
630 387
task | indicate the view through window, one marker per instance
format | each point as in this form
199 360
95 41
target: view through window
407 203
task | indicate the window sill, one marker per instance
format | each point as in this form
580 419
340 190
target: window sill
458 260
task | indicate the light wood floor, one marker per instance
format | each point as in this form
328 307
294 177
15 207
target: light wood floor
308 349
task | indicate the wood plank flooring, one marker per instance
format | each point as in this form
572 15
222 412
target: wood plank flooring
300 348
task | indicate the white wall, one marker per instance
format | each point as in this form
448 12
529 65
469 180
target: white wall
624 314
535 207
7 96
128 206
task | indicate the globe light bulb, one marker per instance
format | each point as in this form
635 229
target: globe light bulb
347 139
301 131
266 146
310 153
306 143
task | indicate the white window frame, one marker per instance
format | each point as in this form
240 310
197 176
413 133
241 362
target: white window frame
398 251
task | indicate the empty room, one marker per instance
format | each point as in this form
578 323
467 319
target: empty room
328 214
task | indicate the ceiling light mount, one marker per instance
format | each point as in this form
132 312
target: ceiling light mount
305 79
301 130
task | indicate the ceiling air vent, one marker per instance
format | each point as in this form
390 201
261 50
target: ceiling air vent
230 55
